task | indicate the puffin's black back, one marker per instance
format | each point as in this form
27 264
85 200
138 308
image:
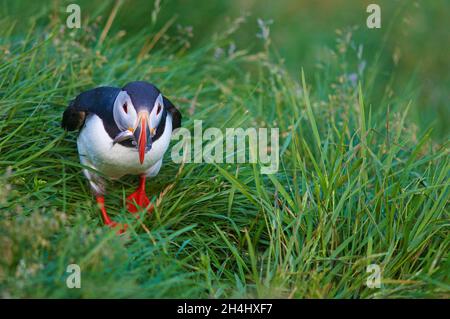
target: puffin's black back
99 101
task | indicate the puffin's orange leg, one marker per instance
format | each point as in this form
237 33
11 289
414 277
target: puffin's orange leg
106 219
139 198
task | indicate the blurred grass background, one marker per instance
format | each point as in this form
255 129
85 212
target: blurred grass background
411 48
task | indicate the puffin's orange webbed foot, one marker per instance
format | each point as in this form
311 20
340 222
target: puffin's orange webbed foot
108 222
139 200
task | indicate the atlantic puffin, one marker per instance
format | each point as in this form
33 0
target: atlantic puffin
123 131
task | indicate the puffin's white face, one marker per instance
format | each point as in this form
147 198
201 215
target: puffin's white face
124 112
155 115
139 126
126 117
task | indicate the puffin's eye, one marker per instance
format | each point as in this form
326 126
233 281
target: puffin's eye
159 109
125 107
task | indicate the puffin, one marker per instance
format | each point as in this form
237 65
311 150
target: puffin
122 131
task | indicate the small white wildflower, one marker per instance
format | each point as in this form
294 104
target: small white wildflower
264 30
361 67
218 53
231 48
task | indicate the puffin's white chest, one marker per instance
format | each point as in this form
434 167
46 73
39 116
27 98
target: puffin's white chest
96 149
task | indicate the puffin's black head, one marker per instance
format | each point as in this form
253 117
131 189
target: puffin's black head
138 111
142 94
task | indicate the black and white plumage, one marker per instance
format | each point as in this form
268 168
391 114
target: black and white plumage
123 131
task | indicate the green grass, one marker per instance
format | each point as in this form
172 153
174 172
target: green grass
358 183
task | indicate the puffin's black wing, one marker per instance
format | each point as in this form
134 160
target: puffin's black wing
176 115
99 101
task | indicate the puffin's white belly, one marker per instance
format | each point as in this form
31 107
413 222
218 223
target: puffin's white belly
96 149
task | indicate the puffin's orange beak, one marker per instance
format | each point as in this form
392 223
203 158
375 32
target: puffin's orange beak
142 140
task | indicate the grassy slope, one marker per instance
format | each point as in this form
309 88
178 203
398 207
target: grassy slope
355 187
